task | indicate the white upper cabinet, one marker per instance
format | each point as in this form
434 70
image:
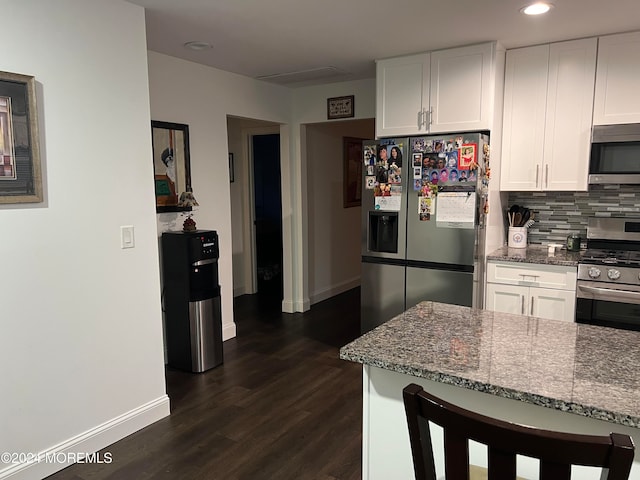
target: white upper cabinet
525 96
567 138
548 107
616 98
402 95
445 91
461 94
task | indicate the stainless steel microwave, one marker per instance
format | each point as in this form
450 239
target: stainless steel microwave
615 154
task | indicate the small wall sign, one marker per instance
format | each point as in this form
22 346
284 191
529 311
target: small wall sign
340 107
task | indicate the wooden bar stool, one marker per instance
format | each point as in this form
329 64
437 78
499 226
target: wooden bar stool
556 451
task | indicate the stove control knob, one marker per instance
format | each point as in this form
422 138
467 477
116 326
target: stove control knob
613 274
594 272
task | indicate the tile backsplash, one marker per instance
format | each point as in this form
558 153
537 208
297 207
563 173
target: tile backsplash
558 214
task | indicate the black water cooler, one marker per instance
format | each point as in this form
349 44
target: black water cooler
191 299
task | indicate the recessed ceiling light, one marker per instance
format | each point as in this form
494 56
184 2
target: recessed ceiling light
536 8
197 45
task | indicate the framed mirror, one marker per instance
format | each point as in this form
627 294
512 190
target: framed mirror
171 164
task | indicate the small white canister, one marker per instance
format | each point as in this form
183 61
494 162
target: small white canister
517 237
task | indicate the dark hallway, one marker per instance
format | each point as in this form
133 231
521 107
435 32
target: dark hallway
268 214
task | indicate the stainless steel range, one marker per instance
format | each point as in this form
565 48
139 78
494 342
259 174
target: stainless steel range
608 291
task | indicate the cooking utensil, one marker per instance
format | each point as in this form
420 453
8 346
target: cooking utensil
512 211
526 216
517 219
522 211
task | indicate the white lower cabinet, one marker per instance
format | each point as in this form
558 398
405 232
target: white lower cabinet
545 291
549 303
507 298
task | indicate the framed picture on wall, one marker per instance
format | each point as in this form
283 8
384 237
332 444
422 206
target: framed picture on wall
352 172
20 173
171 164
340 107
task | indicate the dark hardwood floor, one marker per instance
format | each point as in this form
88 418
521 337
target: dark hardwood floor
282 406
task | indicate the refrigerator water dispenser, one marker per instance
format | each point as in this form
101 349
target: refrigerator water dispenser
383 232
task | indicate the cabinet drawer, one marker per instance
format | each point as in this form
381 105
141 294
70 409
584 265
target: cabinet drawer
546 276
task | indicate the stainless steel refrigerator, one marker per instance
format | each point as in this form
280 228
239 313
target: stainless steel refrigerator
423 208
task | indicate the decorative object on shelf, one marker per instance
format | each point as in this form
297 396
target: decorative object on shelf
187 200
340 107
189 224
232 175
20 174
352 172
171 164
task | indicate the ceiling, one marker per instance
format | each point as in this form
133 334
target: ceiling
338 40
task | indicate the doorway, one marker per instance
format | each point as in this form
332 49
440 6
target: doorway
268 215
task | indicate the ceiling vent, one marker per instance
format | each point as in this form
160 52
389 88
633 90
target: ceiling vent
311 75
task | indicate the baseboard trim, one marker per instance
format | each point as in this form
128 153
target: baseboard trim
303 305
334 290
289 306
228 331
90 441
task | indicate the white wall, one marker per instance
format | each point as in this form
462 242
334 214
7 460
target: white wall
497 201
202 97
310 106
81 341
334 231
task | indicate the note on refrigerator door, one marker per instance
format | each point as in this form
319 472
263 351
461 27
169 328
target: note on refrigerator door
387 197
456 210
390 203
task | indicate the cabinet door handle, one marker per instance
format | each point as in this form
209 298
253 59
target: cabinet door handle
430 116
532 306
546 175
522 304
537 174
423 118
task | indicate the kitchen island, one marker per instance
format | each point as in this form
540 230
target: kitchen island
545 373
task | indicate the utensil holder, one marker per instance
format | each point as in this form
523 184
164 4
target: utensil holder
517 237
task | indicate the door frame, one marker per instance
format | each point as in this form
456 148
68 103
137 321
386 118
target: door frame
249 213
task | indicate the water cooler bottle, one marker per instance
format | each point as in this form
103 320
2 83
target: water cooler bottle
191 299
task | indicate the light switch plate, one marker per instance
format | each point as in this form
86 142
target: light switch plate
127 239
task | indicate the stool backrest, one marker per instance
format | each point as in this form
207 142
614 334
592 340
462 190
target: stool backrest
557 451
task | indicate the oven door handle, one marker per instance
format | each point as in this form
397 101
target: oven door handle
608 294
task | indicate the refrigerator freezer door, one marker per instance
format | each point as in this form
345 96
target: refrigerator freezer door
424 284
381 293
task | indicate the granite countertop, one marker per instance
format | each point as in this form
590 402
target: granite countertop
536 254
583 369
